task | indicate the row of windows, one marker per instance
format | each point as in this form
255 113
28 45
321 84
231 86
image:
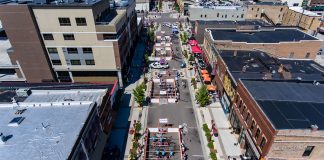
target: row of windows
75 62
86 50
258 9
66 36
254 126
247 119
242 15
65 21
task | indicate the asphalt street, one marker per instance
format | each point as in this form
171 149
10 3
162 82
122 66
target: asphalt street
181 112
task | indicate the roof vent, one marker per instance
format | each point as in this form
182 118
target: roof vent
23 92
4 139
314 127
16 121
20 111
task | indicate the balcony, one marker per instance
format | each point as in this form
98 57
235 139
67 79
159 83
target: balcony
111 22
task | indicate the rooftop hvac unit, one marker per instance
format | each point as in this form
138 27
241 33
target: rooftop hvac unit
23 92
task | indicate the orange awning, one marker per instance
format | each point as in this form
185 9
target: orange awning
206 78
211 87
204 71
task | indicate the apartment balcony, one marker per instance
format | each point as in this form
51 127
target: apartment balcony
112 22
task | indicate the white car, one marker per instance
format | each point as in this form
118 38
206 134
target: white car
157 65
167 25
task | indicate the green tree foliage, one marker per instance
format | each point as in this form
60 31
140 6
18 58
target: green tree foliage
202 96
139 95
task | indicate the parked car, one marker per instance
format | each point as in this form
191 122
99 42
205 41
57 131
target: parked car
157 65
167 24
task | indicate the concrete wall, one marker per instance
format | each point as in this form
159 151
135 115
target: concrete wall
293 18
85 36
291 144
228 13
282 50
27 45
274 12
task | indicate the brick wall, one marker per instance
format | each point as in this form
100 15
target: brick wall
283 49
292 18
274 12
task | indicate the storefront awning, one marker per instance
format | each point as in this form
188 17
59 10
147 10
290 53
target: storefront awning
211 88
193 42
196 49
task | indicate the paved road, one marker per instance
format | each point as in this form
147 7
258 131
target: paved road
183 111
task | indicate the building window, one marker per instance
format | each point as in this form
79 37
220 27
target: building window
281 9
242 15
72 50
75 62
279 16
240 105
52 50
205 15
68 36
291 55
90 62
244 108
217 14
201 16
48 36
81 21
87 50
257 134
56 62
256 15
247 118
296 4
64 21
307 55
252 125
258 9
225 15
252 9
308 150
263 142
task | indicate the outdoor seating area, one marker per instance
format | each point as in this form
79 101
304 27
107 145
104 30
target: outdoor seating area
164 87
162 48
163 143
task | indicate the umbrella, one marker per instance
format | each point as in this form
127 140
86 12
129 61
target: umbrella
211 88
206 78
204 71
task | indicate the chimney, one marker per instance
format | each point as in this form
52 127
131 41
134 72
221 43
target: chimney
314 127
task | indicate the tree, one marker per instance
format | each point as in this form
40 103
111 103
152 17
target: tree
139 95
202 96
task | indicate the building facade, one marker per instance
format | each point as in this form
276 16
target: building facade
271 12
219 13
90 42
307 20
283 43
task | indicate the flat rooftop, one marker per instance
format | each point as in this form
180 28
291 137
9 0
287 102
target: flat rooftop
260 65
289 104
53 120
51 2
304 11
260 36
246 22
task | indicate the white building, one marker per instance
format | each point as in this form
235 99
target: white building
51 124
293 3
218 13
142 5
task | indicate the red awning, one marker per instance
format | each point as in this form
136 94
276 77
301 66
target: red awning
193 42
196 49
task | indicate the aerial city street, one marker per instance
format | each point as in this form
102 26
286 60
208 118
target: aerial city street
161 79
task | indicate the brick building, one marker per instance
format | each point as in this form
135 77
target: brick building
279 119
283 43
230 66
269 11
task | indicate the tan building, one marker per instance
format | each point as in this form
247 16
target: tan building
271 12
307 20
283 43
83 41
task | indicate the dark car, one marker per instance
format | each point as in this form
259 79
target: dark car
201 64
